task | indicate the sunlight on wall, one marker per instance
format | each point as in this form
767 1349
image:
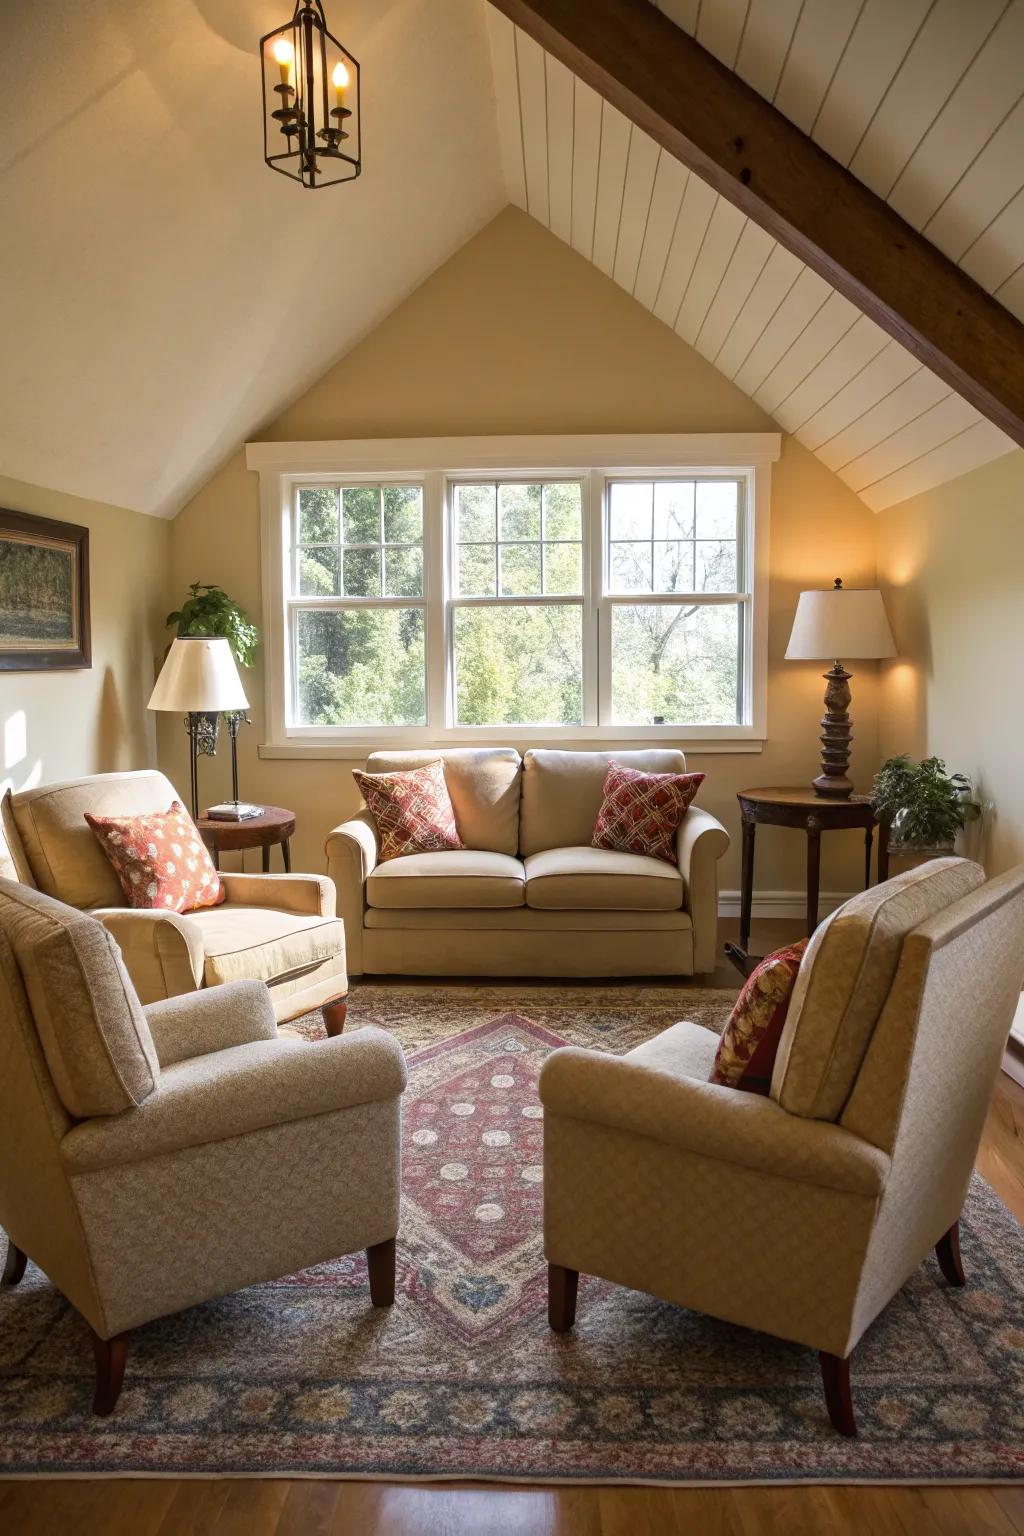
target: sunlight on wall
15 739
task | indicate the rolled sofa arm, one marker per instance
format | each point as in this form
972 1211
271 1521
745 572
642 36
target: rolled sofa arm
307 895
708 1120
700 842
352 851
163 951
212 1020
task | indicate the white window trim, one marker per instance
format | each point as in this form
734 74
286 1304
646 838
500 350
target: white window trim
282 466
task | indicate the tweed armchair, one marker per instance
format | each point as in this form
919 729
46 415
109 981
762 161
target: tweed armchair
152 1159
278 929
801 1214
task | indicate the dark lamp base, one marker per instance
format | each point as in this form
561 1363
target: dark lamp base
836 733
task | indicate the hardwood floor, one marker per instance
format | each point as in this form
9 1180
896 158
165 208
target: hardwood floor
244 1507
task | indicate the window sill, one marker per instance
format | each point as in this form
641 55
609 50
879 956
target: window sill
358 751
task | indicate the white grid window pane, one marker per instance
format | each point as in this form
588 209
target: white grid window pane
517 664
675 664
360 666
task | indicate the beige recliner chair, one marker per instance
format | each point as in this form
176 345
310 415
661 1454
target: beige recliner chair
154 1158
279 929
801 1214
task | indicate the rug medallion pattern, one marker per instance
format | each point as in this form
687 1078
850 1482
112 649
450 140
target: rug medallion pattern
462 1377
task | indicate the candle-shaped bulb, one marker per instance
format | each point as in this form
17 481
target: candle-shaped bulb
284 53
340 79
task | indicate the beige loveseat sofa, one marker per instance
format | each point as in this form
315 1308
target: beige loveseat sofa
279 929
528 895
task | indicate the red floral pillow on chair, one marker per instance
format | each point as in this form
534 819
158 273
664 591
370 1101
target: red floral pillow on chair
750 1041
641 812
160 859
413 810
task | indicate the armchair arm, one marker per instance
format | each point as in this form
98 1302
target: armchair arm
352 851
309 895
709 1120
163 951
700 842
249 1088
236 1013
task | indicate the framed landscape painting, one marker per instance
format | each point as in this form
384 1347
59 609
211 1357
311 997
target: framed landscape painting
44 594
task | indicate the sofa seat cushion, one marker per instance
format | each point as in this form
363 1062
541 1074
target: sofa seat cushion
580 878
262 944
469 877
845 978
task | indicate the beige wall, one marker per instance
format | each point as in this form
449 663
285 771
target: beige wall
518 334
62 724
951 564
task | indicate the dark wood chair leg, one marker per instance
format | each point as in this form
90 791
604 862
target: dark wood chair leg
563 1285
947 1251
334 1016
380 1260
14 1265
835 1378
110 1359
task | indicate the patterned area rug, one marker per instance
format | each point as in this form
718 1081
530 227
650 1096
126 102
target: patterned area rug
462 1377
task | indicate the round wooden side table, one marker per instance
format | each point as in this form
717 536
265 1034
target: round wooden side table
812 814
275 825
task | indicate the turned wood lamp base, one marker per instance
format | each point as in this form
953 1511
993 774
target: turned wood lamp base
836 736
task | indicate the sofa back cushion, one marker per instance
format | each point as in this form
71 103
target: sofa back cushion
483 783
563 793
56 842
87 1015
844 981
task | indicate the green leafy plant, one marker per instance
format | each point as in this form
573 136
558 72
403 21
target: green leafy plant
926 805
209 610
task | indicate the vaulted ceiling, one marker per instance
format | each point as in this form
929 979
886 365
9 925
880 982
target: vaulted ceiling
164 295
920 99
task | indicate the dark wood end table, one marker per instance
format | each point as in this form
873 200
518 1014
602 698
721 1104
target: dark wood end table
812 814
275 825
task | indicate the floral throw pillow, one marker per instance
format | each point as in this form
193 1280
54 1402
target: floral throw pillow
750 1041
641 812
160 859
412 810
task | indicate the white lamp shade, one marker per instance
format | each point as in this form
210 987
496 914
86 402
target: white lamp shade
840 626
199 674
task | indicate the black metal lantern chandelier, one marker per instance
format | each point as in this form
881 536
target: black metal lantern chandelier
310 101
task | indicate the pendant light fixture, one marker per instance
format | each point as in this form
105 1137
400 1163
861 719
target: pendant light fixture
310 101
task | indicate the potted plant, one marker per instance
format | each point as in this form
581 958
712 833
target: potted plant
208 610
925 805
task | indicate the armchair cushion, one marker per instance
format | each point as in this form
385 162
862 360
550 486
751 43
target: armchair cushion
750 1041
200 1023
263 943
641 812
596 879
64 857
844 980
247 1088
159 859
90 1024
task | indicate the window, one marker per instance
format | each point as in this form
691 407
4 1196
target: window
456 600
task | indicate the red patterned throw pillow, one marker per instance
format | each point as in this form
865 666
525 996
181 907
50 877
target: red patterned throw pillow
750 1041
413 810
160 859
642 811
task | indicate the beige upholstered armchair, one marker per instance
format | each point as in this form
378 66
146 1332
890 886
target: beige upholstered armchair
801 1214
278 929
151 1159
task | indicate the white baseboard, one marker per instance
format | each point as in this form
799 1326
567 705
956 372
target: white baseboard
780 903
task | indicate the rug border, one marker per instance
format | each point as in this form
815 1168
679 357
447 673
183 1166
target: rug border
396 1479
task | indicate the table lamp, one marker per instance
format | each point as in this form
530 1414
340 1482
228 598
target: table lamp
848 624
199 679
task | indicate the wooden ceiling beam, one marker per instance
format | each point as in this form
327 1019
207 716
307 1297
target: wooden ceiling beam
711 120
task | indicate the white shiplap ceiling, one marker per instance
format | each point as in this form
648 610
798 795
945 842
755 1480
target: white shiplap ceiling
923 100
